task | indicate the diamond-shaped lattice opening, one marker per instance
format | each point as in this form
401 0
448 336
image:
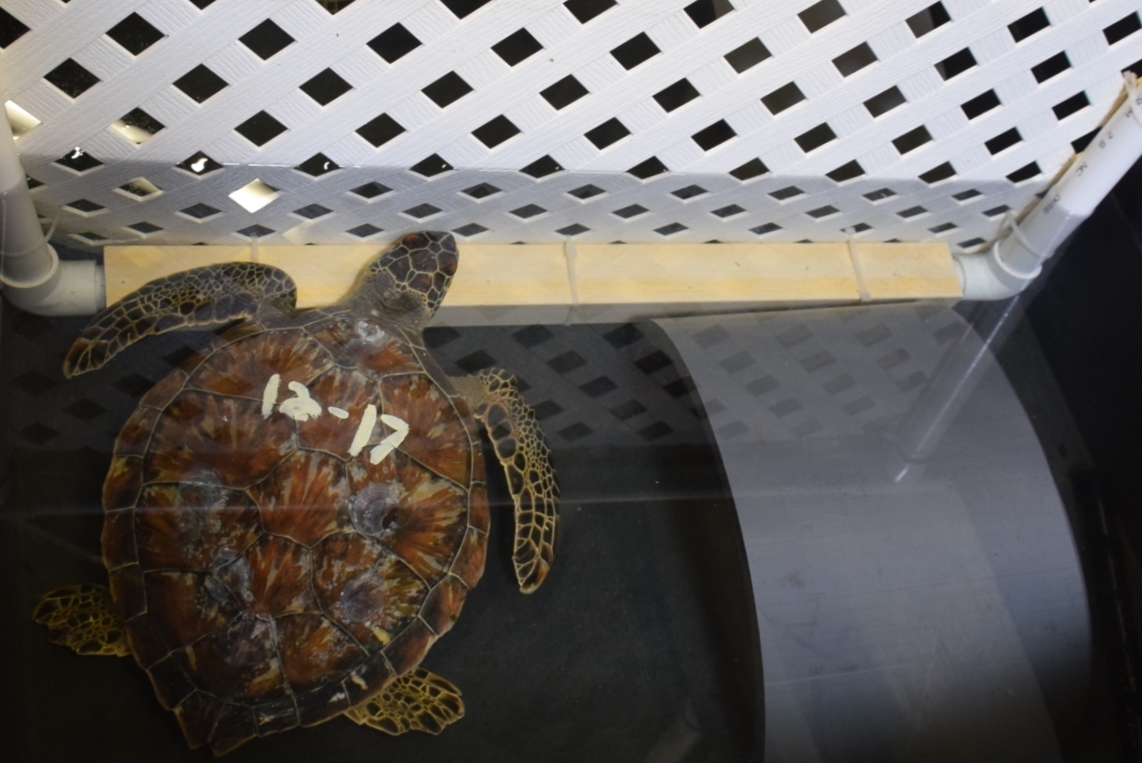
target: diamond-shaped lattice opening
364 231
370 190
846 171
462 8
852 61
85 410
635 50
788 192
585 10
90 237
751 169
144 228
326 87
200 4
317 165
469 230
133 385
33 382
676 95
885 101
394 43
137 126
572 230
935 15
21 121
38 433
912 140
861 227
689 192
598 386
628 410
813 139
564 92
1122 28
706 12
607 133
11 28
260 129
714 135
255 231
943 228
971 242
1080 143
670 229
962 196
421 211
911 212
79 160
1053 66
1026 172
448 89
542 167
936 174
956 64
728 211
85 207
1003 141
533 336
748 55
312 211
528 211
996 211
574 432
254 195
880 194
496 131
199 164
71 78
820 15
266 39
1075 103
516 47
481 191
633 210
334 6
380 130
199 211
783 98
648 169
200 83
821 212
584 192
135 34
431 166
1025 26
981 104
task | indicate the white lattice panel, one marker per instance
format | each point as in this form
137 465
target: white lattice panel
534 120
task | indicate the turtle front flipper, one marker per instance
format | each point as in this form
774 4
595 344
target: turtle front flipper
84 618
417 701
199 297
526 459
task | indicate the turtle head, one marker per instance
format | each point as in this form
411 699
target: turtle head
408 282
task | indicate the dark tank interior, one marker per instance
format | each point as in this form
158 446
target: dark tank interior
641 646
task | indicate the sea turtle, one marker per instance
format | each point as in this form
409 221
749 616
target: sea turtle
296 514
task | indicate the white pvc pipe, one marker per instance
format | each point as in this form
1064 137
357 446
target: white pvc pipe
33 277
1015 260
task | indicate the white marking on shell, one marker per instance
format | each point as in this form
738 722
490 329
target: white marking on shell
393 441
364 430
270 395
340 413
302 407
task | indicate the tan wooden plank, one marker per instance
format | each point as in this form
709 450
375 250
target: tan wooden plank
502 284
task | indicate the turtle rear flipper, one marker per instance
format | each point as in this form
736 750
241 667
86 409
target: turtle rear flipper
526 459
84 618
203 296
417 701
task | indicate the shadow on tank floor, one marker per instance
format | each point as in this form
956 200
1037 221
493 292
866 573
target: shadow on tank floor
641 645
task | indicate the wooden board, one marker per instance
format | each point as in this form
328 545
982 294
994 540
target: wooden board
551 283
